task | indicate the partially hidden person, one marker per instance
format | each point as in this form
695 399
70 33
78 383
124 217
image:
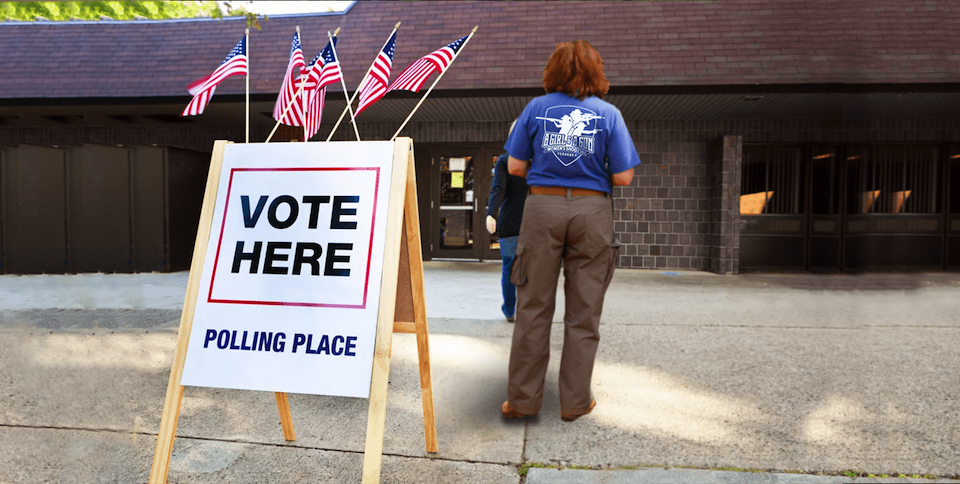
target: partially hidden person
572 147
504 214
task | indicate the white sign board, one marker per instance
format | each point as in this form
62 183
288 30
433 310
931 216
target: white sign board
290 286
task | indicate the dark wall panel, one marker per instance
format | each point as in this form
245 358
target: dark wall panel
825 254
9 201
771 253
187 179
99 208
40 243
149 209
953 253
101 214
893 252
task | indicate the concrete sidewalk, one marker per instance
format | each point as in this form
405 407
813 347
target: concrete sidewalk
800 377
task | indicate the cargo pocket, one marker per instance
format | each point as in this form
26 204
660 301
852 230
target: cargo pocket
518 273
614 252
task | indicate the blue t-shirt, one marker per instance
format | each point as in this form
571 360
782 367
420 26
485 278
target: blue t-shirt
572 143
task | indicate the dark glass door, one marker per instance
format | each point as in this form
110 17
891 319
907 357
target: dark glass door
773 222
893 218
459 231
825 226
459 191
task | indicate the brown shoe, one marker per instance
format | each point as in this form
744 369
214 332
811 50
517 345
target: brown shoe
510 412
571 418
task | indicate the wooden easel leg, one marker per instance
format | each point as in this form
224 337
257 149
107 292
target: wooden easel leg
286 420
376 418
415 260
166 434
426 389
174 398
380 376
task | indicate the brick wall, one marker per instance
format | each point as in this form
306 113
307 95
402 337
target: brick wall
723 240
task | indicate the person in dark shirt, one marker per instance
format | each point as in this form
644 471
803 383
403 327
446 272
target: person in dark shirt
506 197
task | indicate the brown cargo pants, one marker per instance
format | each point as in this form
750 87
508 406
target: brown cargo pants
579 232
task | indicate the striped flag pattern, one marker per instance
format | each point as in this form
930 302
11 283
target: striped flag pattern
413 77
314 110
203 89
288 91
325 69
374 86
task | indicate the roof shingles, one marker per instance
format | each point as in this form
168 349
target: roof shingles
649 43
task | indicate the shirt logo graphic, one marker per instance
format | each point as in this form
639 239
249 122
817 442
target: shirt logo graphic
568 132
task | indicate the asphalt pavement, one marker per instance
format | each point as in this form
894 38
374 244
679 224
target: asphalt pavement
763 378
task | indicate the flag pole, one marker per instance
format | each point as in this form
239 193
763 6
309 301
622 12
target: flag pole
343 84
355 93
248 84
434 83
303 99
287 109
303 104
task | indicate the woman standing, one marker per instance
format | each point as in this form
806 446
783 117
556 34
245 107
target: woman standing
572 147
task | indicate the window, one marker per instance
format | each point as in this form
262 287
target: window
892 180
771 180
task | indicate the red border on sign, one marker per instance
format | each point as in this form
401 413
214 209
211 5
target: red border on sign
223 224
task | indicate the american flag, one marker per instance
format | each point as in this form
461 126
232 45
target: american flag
374 86
413 77
288 91
203 89
325 69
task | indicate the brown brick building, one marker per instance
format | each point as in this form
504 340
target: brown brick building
775 135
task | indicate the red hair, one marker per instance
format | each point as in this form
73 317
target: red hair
575 68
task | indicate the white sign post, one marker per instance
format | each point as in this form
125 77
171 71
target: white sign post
294 280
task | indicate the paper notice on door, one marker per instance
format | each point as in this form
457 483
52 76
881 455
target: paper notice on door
456 180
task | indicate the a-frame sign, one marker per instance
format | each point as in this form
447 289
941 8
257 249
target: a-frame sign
307 260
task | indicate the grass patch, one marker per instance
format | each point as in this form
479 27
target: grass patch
524 469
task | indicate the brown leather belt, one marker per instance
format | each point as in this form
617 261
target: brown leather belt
562 191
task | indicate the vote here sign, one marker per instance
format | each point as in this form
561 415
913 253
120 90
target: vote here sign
290 286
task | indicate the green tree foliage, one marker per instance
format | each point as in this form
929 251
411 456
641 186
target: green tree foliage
252 20
60 11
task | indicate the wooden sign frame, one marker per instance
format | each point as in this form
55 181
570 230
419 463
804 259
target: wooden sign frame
402 309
